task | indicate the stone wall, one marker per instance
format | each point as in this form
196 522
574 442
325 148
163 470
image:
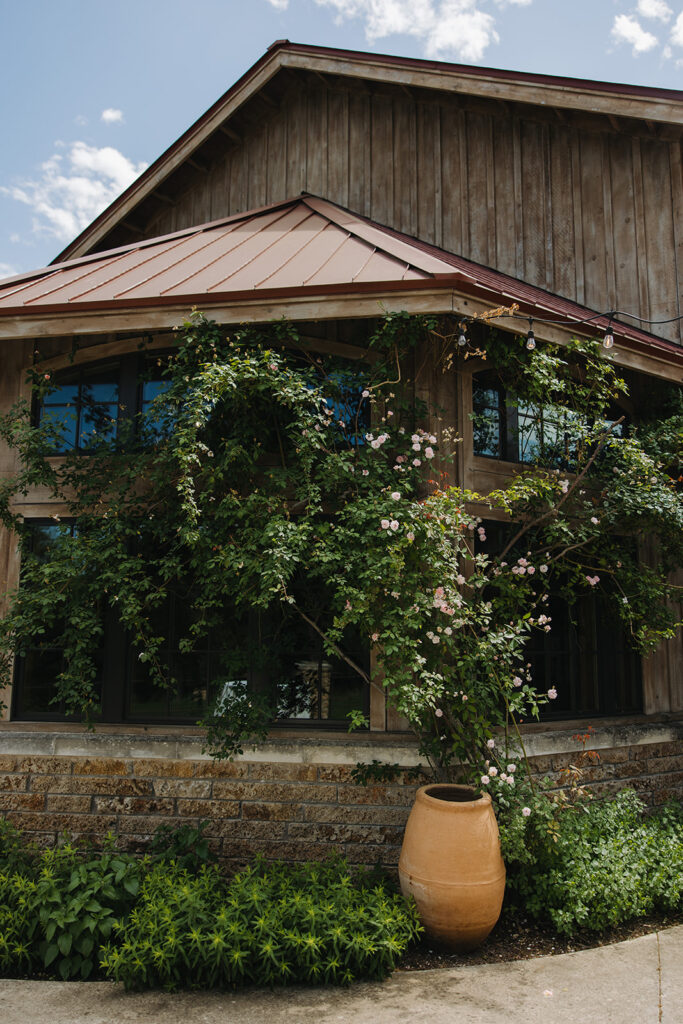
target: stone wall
299 803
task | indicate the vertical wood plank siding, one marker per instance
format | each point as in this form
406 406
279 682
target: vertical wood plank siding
594 216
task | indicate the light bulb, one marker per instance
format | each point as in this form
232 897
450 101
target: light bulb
462 338
608 340
530 341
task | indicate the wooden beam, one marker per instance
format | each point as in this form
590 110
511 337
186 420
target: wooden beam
163 198
197 164
230 133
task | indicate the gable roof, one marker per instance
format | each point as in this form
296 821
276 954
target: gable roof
628 101
304 248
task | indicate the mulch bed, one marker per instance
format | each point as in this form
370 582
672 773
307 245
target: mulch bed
520 938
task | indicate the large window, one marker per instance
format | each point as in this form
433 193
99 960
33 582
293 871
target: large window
508 428
585 656
273 652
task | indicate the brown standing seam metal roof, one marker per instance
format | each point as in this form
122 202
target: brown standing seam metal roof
284 53
305 246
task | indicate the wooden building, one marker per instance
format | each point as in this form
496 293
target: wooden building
323 186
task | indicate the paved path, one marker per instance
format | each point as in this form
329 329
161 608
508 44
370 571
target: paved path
634 982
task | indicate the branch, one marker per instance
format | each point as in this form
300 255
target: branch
338 650
552 511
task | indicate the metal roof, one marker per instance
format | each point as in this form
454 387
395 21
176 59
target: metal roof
305 246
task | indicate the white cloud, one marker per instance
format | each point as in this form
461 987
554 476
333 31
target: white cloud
654 9
627 30
74 188
446 27
112 116
7 270
519 3
279 5
677 31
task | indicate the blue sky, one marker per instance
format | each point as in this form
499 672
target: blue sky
94 91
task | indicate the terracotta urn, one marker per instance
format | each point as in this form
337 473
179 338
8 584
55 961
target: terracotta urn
451 864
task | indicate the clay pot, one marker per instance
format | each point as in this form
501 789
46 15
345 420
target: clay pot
451 864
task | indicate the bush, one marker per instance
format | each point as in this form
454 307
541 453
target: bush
73 913
270 925
597 863
187 846
57 908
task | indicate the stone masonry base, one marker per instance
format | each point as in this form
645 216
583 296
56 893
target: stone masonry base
294 799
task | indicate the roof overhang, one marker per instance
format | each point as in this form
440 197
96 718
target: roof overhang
329 264
623 101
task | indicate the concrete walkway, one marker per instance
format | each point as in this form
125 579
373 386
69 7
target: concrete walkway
634 982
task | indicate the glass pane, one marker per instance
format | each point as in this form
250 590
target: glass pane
530 433
189 697
486 421
103 389
151 389
146 698
37 681
61 421
98 424
62 395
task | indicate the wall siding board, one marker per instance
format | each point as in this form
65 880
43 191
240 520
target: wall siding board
676 165
593 215
382 164
561 187
659 234
452 185
503 173
428 128
338 148
296 145
624 251
258 158
479 163
404 165
534 203
276 166
238 181
517 187
641 238
316 142
359 153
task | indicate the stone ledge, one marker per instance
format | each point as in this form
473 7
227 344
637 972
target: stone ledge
328 748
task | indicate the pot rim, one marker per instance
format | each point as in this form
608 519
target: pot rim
475 803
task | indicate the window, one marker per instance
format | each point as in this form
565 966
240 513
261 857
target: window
516 431
275 652
83 409
36 672
585 656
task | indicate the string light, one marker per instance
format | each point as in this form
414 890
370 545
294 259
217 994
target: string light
530 338
608 340
462 337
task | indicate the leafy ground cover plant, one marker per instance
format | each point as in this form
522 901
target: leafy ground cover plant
187 846
602 863
57 907
272 924
78 914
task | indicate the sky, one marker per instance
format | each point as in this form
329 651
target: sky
93 91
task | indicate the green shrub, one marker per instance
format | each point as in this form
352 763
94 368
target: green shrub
270 925
187 846
57 909
599 863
